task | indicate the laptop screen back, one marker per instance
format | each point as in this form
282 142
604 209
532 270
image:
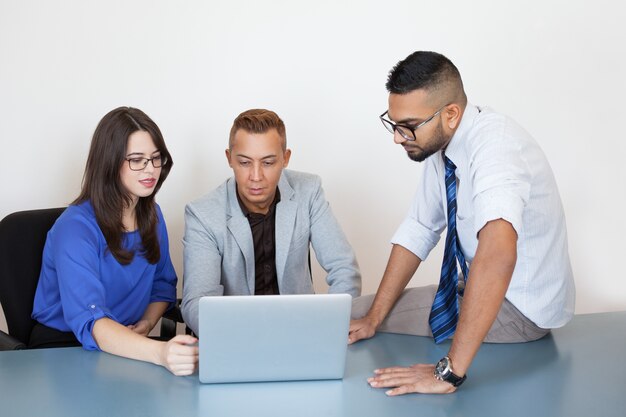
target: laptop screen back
273 338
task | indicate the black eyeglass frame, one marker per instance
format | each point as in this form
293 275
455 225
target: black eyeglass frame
163 159
393 127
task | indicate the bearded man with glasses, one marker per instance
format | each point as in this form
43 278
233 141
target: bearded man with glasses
506 274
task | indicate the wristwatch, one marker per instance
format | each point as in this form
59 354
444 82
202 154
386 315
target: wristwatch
443 372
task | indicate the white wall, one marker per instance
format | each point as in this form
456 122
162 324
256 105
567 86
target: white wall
555 66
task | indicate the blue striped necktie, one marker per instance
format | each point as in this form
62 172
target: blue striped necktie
445 312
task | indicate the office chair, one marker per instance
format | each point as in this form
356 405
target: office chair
22 238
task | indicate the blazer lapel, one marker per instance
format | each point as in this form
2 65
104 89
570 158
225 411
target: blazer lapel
239 227
286 211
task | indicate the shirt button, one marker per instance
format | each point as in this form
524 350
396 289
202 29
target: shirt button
92 306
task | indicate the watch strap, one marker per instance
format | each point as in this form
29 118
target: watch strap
447 375
454 379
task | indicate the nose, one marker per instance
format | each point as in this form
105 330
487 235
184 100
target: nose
256 173
398 138
149 167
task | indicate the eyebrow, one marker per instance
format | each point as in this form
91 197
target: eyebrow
412 120
141 153
248 157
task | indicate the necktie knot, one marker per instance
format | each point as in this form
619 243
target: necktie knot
449 164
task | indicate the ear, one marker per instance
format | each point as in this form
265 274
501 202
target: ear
227 152
453 115
286 156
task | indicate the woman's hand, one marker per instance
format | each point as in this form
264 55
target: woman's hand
142 327
180 355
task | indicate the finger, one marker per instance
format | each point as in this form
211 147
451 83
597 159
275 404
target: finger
176 352
356 325
391 370
178 367
182 361
359 334
418 367
401 390
353 336
383 379
184 339
183 371
183 351
186 367
395 381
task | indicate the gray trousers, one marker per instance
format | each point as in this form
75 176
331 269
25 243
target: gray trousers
410 316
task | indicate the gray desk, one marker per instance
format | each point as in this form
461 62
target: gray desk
579 370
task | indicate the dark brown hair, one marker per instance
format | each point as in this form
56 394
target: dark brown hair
102 185
258 121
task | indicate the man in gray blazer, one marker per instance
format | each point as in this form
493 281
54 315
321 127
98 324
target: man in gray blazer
251 235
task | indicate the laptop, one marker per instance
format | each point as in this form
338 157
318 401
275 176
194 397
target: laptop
273 337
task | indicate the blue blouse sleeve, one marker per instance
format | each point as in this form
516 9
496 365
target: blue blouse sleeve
76 248
164 285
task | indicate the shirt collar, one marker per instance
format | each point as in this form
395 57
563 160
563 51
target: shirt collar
454 150
247 212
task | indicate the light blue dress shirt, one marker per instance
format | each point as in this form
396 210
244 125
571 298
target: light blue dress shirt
502 173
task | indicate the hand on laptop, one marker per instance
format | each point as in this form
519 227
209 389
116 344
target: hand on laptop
180 355
363 328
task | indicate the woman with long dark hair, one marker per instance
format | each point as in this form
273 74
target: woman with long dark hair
107 277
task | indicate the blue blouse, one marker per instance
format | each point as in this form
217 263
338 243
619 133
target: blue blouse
81 281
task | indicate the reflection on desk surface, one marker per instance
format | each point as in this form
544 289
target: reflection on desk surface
578 370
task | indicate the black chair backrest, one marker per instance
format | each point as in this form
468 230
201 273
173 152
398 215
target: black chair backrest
22 238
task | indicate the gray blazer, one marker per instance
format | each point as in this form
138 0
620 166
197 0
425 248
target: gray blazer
219 252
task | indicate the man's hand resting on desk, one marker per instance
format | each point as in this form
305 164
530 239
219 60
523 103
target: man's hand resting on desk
363 328
419 378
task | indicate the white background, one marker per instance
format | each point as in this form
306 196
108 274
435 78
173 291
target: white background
557 67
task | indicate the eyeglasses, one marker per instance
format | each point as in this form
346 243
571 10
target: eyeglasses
407 132
139 164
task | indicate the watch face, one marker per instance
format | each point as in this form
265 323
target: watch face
442 367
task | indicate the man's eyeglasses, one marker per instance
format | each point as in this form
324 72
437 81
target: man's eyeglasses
407 132
139 164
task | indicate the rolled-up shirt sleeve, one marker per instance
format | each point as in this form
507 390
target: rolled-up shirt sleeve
421 229
82 294
501 182
415 237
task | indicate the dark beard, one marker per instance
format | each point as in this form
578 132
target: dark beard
437 143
